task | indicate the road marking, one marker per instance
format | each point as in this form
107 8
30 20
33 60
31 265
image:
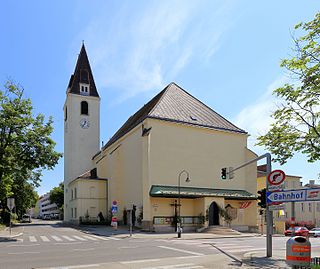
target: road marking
186 257
100 237
141 261
232 247
68 243
32 239
83 249
76 266
114 238
79 238
68 238
89 237
244 250
182 250
44 238
127 247
31 245
18 253
56 238
181 266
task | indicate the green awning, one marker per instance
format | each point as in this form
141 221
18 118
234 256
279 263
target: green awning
192 192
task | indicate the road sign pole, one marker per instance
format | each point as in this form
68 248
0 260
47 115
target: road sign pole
269 214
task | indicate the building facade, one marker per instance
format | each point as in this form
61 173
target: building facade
46 208
165 161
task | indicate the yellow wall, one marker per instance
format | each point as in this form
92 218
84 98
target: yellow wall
135 162
90 198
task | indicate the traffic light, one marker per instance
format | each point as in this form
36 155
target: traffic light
224 173
262 198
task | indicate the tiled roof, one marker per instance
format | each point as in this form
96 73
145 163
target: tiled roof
82 74
176 105
192 192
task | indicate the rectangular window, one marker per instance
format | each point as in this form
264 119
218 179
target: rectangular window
71 212
302 207
75 193
71 194
65 114
310 207
75 212
318 207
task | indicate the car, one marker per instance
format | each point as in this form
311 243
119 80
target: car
298 230
26 218
46 217
315 232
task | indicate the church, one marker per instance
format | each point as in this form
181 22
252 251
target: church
165 161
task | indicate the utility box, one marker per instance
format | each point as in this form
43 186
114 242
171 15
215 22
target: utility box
298 251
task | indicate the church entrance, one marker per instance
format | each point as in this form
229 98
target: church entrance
214 214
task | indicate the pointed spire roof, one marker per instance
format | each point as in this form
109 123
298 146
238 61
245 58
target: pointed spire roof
174 104
82 74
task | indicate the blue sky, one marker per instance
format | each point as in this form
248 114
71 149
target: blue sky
225 53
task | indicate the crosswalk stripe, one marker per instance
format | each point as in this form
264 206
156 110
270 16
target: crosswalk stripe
68 238
89 237
32 239
99 237
79 238
44 238
235 247
244 250
56 238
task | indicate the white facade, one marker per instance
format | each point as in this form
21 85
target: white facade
46 207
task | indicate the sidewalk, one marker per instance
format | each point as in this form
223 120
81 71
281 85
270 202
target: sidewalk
5 235
122 232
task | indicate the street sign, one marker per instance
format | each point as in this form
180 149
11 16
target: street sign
276 187
114 209
277 207
10 203
286 196
276 177
313 194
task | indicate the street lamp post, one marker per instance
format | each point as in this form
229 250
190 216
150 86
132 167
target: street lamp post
179 205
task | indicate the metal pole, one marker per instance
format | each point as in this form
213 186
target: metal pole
10 221
178 220
269 212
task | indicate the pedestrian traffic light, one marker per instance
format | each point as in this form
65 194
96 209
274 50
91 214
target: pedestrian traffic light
262 198
224 173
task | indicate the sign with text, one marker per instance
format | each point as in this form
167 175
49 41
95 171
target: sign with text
293 196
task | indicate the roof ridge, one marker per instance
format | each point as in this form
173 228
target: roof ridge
209 108
165 90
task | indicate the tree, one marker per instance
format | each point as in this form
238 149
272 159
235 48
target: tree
25 146
297 119
57 196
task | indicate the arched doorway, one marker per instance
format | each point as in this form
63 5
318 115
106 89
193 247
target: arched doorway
214 214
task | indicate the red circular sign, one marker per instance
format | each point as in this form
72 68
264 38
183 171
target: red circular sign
114 202
276 177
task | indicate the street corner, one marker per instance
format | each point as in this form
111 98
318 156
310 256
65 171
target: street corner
258 259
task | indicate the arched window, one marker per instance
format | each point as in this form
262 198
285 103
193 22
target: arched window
84 108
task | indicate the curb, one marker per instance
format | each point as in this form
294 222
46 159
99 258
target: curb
8 238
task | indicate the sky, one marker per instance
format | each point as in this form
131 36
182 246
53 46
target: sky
225 53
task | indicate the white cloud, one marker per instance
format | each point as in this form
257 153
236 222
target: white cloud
141 49
255 118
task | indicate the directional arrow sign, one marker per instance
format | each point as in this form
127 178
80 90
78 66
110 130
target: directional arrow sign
286 196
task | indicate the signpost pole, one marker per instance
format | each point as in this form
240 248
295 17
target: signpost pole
269 213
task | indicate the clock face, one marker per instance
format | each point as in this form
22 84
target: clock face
84 123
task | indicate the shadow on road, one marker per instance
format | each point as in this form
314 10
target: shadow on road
264 262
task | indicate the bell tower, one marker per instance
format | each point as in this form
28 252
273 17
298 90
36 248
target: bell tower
81 124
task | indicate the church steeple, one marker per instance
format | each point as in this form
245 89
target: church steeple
82 82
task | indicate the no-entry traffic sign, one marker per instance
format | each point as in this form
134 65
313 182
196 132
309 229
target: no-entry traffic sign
276 177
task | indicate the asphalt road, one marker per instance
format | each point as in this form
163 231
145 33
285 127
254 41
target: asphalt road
45 244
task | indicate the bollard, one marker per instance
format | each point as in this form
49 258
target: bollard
298 251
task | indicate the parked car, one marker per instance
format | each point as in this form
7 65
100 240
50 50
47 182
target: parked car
46 217
315 232
26 218
302 231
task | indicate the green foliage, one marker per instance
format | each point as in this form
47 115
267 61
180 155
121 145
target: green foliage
25 148
297 119
57 196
